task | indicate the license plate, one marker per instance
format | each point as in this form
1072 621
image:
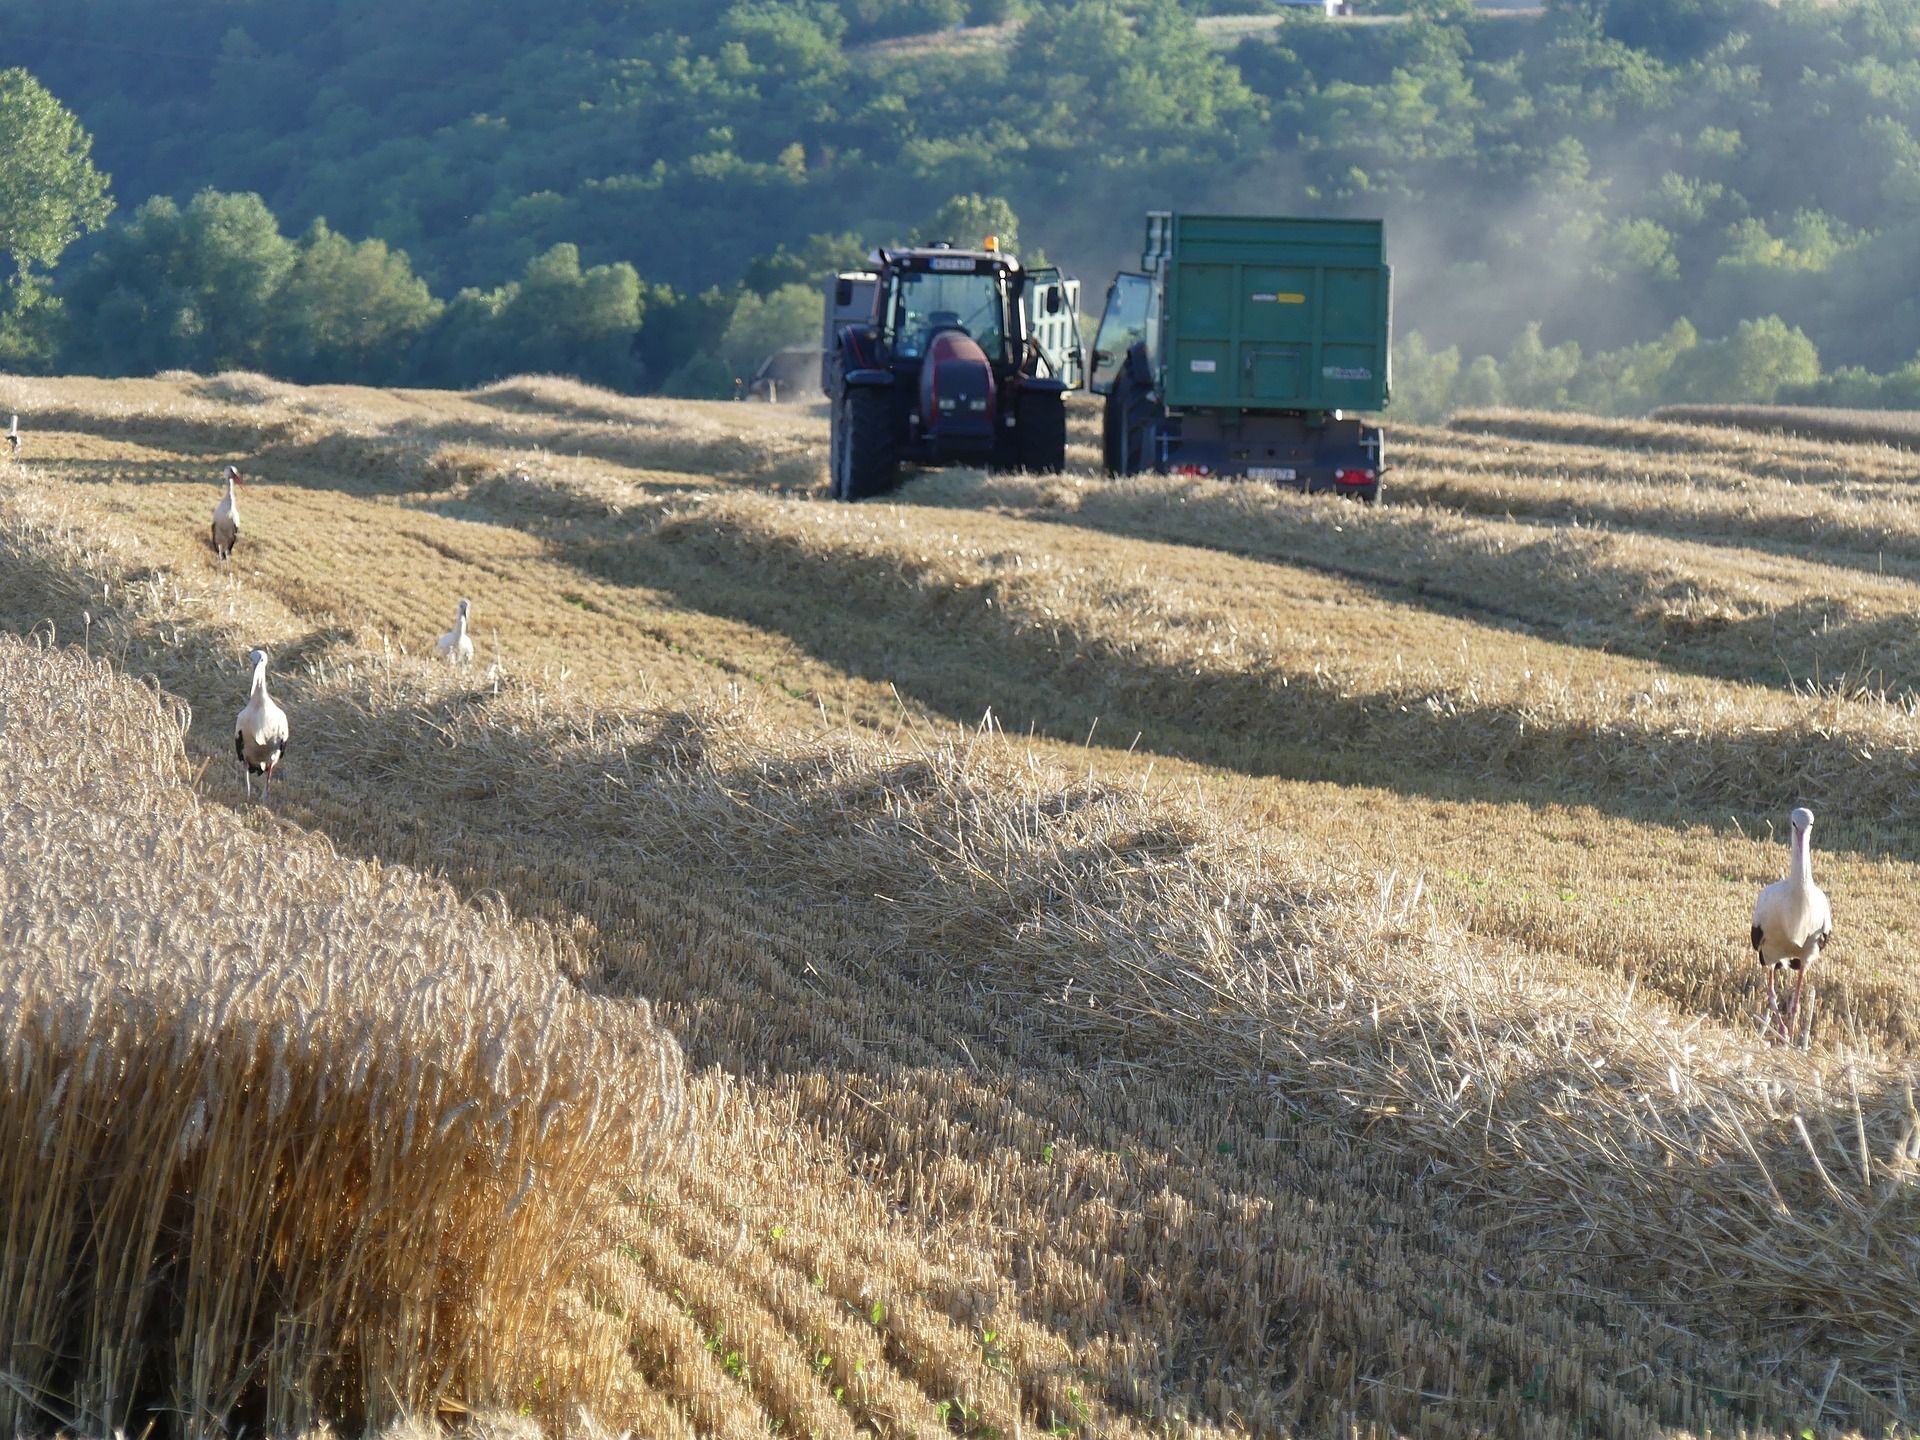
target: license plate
950 262
1269 472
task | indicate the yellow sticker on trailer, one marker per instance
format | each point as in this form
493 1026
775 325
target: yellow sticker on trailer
1281 297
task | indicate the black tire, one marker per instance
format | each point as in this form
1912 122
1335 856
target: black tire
1127 435
862 459
1114 429
1111 429
1041 435
1005 458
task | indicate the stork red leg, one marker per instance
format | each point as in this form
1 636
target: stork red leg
1793 1010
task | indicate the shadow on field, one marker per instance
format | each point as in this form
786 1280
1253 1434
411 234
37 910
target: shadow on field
1863 545
961 650
771 463
1763 454
402 456
222 432
566 402
354 465
1551 584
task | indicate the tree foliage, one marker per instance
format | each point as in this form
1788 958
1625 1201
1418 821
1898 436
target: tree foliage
217 286
190 288
50 194
346 311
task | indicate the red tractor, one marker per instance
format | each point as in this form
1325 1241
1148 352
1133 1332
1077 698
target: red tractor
939 356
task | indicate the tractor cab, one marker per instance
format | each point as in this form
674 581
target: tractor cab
919 304
937 355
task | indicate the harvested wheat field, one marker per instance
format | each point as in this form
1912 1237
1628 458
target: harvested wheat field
1813 422
1029 956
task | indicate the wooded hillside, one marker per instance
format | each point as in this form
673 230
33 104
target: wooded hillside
1621 173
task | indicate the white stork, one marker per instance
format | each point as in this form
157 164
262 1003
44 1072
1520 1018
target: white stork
13 435
260 730
1791 921
456 645
226 517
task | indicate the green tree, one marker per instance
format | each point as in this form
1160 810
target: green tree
1636 248
1537 377
819 257
193 288
1749 366
467 344
1423 378
1145 83
1632 379
556 319
787 38
576 322
791 315
1812 242
1480 385
50 194
967 220
1673 28
348 312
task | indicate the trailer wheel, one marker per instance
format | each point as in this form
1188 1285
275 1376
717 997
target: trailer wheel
1112 428
1042 433
1126 435
862 459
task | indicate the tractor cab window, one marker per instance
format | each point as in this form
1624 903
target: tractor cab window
927 302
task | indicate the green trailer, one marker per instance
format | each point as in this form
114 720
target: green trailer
1248 346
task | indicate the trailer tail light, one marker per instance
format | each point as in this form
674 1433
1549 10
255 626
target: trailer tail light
1354 477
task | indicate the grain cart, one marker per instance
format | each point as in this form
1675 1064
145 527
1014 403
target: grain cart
937 356
1243 349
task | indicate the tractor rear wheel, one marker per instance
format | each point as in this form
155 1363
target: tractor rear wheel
1126 432
862 457
1042 433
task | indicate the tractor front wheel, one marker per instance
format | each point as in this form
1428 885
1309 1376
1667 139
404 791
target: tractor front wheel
862 458
1042 433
